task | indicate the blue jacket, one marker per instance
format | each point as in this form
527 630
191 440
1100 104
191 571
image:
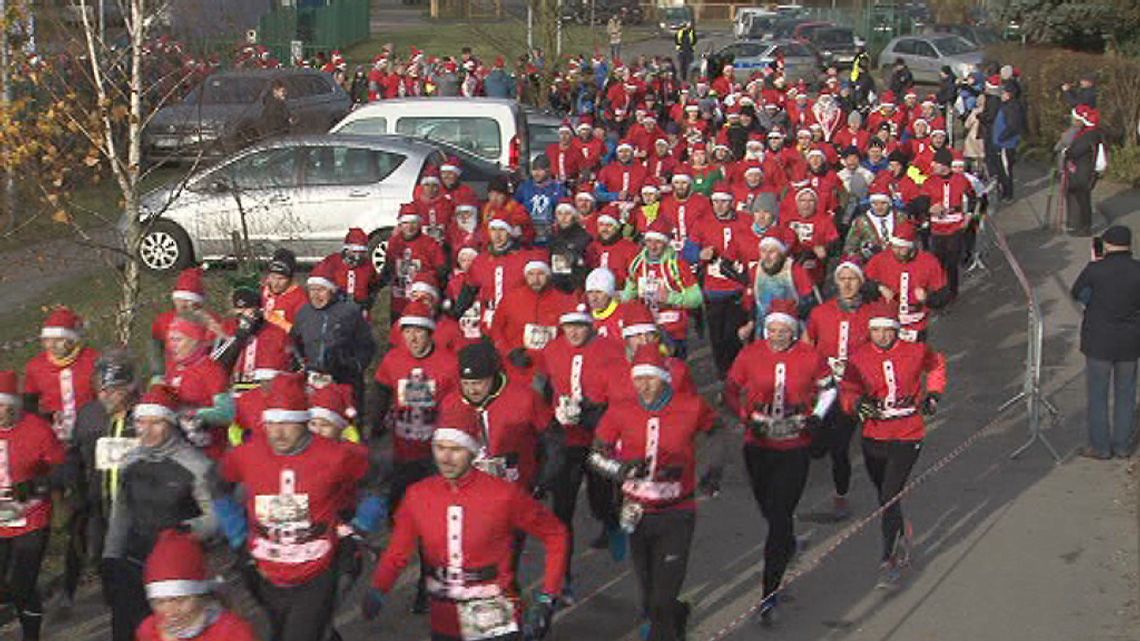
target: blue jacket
499 84
1009 124
540 201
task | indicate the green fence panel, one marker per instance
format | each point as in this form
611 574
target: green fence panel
338 25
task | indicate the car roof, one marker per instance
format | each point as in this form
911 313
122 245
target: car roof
466 103
397 143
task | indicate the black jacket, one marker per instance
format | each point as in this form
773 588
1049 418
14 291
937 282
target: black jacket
275 118
1110 290
334 340
1080 159
568 257
91 486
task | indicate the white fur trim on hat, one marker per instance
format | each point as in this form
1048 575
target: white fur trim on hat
883 197
576 317
417 321
567 206
449 167
685 177
262 374
10 399
429 179
882 322
464 250
584 125
780 317
537 264
466 207
655 235
816 152
182 294
650 187
328 415
721 195
754 168
456 436
637 329
608 219
284 416
320 281
779 244
408 218
59 332
645 369
849 265
499 223
426 288
585 194
153 410
356 248
899 242
178 588
624 145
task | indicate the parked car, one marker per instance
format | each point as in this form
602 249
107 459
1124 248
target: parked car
980 35
299 192
803 31
670 20
580 11
221 115
746 17
836 45
926 55
760 26
801 62
494 129
542 131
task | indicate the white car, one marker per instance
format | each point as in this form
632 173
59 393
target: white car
926 55
302 193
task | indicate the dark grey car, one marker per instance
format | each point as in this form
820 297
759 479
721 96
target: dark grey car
222 114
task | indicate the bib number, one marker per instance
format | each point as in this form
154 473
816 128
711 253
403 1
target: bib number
486 618
111 452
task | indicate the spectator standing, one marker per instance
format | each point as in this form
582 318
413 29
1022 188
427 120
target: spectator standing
686 43
1109 288
1009 125
275 117
1083 94
1083 160
613 29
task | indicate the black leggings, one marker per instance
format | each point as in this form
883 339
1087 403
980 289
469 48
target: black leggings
724 317
889 464
834 440
20 561
1079 210
948 249
778 479
659 548
301 612
124 591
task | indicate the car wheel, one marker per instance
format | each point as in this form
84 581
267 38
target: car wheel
378 248
165 248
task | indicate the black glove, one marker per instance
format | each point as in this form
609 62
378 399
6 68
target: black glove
868 408
538 617
813 423
930 405
520 358
633 469
591 413
248 325
710 481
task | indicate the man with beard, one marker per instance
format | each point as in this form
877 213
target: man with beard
611 250
433 205
527 319
871 232
409 252
564 159
568 245
775 277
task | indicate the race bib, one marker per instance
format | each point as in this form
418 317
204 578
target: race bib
111 452
12 514
469 322
416 391
486 618
652 490
667 316
284 516
838 366
908 335
537 336
713 270
560 263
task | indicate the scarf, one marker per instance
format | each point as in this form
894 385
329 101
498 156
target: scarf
210 616
661 402
68 359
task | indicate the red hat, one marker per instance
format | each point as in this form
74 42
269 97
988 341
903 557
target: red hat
286 401
782 311
888 98
636 319
721 191
189 286
648 361
879 193
408 214
356 240
9 387
188 327
160 401
882 314
417 314
776 237
176 567
323 275
425 282
852 262
1086 115
329 403
904 234
578 313
657 230
455 425
993 82
499 220
431 175
452 164
698 146
625 142
62 323
753 166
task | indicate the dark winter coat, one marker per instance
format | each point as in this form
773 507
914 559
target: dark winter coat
334 340
1009 124
1080 159
1110 290
274 118
568 252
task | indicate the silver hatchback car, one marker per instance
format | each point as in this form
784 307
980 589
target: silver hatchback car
926 55
302 193
801 61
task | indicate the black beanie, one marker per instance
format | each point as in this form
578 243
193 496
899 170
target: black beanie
283 262
943 157
246 297
479 360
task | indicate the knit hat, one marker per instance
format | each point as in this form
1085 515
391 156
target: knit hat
286 401
189 286
479 360
283 262
601 279
176 567
244 297
328 403
9 387
62 323
766 201
322 275
160 401
1118 235
637 319
648 361
417 314
356 240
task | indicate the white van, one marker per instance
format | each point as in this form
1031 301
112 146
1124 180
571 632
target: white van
742 23
491 128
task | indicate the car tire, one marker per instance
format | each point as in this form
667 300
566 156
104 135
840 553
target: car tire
378 248
165 248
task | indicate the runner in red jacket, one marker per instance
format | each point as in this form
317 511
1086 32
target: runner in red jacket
464 522
816 235
781 388
648 446
201 384
610 249
353 273
409 252
57 381
891 384
527 319
910 278
949 199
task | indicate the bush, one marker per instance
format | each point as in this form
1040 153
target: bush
1124 165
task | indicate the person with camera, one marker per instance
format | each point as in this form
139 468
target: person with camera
248 333
1109 288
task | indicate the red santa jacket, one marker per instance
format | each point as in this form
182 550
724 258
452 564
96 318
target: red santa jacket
591 152
281 309
529 319
893 378
921 272
837 332
62 386
900 188
617 177
436 214
564 161
247 412
514 213
464 531
685 213
292 504
460 193
496 274
950 192
509 423
614 256
408 258
577 373
845 138
196 383
719 233
813 231
775 385
666 439
268 339
227 627
418 386
28 450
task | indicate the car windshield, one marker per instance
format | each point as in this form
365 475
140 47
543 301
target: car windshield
953 45
227 90
677 13
542 136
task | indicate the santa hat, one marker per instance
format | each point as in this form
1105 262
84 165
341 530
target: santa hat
467 249
637 319
356 240
565 126
62 323
624 144
286 401
466 206
781 311
850 262
882 315
680 175
565 205
775 133
328 403
657 230
431 175
904 235
1086 115
417 314
537 264
721 191
160 401
816 151
499 222
176 567
408 214
993 83
425 282
606 218
188 327
585 193
579 314
452 164
698 146
650 187
648 361
322 275
753 167
462 432
887 99
879 194
806 191
584 125
775 238
189 286
268 363
9 387
601 279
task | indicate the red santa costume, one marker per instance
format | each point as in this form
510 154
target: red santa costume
61 385
912 282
